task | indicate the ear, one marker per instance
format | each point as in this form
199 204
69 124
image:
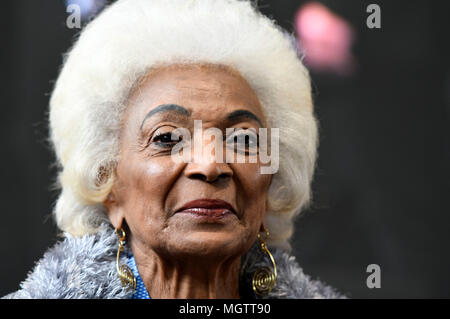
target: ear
114 210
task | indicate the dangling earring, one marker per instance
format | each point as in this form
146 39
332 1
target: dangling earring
264 278
125 273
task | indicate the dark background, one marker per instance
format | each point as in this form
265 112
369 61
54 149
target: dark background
381 185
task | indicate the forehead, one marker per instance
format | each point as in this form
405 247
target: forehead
205 90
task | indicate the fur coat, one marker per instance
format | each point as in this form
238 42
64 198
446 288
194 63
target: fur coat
86 268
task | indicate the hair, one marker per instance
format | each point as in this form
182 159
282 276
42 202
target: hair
131 37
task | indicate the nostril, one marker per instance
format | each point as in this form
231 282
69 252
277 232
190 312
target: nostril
209 179
225 175
208 173
222 176
199 177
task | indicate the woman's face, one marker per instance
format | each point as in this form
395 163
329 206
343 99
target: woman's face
151 188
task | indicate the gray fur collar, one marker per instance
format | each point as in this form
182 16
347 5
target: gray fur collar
85 268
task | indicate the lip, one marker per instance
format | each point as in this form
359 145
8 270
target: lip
208 208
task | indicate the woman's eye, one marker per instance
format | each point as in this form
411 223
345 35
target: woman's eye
166 139
247 140
244 141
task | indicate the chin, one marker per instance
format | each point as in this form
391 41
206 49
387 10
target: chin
213 244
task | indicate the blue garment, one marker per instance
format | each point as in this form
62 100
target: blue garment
141 292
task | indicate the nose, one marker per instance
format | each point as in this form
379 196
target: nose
207 170
204 165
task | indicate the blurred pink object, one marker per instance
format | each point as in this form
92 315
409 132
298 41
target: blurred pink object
325 39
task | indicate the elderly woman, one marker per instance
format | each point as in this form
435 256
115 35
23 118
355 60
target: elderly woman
137 222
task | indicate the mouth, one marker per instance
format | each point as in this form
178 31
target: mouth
208 209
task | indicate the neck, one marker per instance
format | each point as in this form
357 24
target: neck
189 277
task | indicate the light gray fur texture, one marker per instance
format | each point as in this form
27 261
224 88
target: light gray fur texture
85 268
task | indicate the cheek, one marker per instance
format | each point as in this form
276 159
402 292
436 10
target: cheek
145 184
253 190
252 181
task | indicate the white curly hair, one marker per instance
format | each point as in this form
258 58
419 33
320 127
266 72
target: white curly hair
129 38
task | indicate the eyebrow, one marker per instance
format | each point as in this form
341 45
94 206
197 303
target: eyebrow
239 114
165 108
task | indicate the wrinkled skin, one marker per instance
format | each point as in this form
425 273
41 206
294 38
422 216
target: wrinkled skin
178 255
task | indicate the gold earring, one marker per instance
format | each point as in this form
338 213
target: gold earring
264 278
125 273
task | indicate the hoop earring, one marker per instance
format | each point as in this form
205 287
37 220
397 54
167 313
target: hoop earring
264 278
125 273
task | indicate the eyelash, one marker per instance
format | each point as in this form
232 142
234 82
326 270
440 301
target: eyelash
159 136
251 146
248 139
156 139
